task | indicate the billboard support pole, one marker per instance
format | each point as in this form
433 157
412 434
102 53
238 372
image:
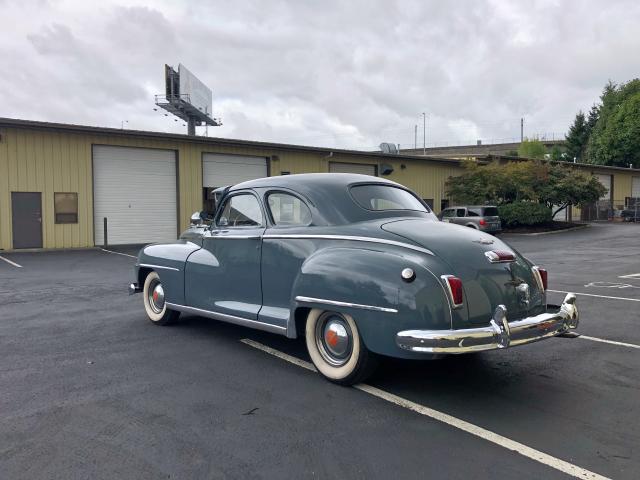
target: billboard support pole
191 126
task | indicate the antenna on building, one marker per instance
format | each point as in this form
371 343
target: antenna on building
187 98
390 148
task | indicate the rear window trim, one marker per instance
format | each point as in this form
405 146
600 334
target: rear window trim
380 184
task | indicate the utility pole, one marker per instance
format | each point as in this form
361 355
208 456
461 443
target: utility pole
521 130
415 137
424 134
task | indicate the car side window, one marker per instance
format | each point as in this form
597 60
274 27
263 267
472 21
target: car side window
288 210
460 212
241 211
448 213
474 212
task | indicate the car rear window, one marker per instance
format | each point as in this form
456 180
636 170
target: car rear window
386 197
490 212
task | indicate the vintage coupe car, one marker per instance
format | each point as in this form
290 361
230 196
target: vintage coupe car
359 266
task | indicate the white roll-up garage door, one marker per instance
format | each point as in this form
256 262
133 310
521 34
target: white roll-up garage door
362 168
221 170
135 189
635 187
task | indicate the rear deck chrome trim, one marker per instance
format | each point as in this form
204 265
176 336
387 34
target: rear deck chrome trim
224 317
336 303
350 238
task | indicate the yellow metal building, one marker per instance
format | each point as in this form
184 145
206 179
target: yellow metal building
54 165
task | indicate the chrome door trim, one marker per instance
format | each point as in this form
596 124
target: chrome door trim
224 317
246 237
352 238
337 303
161 267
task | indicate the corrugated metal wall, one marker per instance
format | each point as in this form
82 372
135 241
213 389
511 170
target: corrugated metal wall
49 161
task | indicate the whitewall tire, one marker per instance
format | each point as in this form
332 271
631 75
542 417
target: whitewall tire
154 301
336 349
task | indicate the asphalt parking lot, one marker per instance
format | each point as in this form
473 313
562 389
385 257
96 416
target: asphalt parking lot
89 388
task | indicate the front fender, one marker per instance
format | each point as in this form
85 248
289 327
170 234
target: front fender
367 285
168 260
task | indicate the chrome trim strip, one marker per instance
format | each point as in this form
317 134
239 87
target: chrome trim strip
344 304
245 237
499 334
161 267
245 322
352 238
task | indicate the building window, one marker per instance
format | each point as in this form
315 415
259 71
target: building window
444 203
66 207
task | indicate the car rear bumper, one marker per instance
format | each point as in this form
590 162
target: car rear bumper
500 333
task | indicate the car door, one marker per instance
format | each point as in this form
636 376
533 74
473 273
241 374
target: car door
447 214
224 275
459 216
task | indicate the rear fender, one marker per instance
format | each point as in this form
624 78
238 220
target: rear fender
367 285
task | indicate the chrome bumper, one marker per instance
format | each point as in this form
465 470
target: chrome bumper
499 334
134 288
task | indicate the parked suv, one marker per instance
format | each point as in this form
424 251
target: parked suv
483 218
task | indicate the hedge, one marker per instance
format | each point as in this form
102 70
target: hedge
524 213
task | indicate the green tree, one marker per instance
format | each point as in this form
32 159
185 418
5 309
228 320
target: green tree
549 184
567 186
615 137
532 148
577 137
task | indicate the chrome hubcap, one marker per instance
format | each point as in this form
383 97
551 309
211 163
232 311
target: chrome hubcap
334 338
156 296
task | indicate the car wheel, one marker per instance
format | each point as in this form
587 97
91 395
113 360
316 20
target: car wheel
154 301
336 348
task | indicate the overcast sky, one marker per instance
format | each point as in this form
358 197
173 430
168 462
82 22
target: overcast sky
345 74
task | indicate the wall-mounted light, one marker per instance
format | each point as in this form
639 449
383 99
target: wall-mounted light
386 169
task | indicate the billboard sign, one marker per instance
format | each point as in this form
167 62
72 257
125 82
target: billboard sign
200 95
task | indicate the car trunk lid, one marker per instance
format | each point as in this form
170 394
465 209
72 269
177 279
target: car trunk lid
486 284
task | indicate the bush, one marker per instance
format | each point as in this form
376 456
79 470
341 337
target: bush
524 213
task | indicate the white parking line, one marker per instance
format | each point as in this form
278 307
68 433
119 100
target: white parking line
598 296
10 262
118 253
480 432
596 339
632 275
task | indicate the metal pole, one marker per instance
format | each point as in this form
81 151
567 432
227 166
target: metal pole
424 133
415 137
521 130
104 230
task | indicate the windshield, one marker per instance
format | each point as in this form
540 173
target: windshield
386 197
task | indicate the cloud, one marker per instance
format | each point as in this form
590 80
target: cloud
343 74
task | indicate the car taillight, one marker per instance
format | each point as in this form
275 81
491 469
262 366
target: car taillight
483 221
454 286
500 256
541 277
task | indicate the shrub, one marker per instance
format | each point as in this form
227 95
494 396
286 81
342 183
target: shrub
524 213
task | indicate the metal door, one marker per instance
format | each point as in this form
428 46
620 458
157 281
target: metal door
26 211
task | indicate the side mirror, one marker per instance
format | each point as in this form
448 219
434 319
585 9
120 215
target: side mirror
223 222
196 219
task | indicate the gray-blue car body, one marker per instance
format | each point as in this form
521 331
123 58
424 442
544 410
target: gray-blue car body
359 266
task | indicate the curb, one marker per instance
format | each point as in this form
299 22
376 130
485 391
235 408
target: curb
535 234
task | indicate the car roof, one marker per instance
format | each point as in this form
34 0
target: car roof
329 194
311 180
